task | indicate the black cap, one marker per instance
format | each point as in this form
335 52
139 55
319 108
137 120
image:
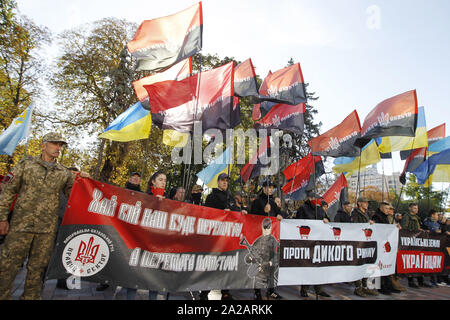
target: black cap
135 174
267 183
223 176
346 203
267 223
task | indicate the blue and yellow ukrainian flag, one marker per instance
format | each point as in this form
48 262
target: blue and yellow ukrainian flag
434 169
439 146
134 124
349 165
210 174
398 143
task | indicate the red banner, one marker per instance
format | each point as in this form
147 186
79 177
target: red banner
421 252
133 240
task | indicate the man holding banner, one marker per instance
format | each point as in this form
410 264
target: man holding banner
38 183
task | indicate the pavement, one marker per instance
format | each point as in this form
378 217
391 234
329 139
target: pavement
339 291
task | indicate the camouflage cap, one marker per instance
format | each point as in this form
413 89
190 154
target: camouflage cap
53 137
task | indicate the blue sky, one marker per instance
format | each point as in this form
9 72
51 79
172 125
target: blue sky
354 53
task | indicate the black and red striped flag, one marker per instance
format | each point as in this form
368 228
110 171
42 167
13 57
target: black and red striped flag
339 141
396 116
245 84
285 86
162 42
284 117
336 195
207 96
302 176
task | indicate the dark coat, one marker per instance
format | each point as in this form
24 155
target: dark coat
380 217
220 200
359 217
308 212
260 203
342 216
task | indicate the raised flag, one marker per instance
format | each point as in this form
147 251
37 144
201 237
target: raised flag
284 117
335 196
398 143
245 84
174 104
298 167
285 86
396 116
440 163
439 146
258 162
18 130
160 43
416 158
180 71
306 173
369 155
339 141
434 134
221 164
133 124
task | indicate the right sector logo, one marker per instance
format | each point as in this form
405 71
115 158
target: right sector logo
85 255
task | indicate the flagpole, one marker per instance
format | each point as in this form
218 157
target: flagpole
197 99
359 171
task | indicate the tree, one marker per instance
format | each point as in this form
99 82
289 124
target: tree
21 66
425 197
92 82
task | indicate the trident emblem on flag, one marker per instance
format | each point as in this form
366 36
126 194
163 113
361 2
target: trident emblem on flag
87 253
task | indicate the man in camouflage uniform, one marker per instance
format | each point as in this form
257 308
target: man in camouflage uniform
38 182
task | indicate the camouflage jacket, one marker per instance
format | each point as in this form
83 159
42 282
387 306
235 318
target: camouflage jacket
38 186
410 222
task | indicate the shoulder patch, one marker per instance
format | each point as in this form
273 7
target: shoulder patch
9 177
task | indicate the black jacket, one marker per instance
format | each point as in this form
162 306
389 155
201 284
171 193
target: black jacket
260 203
380 217
342 216
359 217
220 200
308 212
132 186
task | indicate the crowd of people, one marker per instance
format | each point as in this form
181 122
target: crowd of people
40 188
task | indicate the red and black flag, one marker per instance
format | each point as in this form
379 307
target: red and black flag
180 71
338 141
435 134
416 158
396 116
258 162
162 42
174 104
245 84
302 177
285 86
336 195
284 117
